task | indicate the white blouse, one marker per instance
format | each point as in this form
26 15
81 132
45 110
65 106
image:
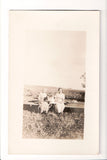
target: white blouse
59 98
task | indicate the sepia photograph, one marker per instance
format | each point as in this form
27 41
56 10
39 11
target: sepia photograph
54 90
53 98
52 80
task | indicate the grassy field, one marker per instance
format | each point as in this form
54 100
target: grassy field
69 125
51 125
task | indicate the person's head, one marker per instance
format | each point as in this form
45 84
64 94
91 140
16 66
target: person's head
60 90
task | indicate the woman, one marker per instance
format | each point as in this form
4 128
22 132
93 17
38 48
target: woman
42 95
59 99
44 105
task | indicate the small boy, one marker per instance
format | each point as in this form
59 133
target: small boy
51 99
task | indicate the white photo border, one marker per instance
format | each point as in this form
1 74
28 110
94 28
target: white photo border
54 5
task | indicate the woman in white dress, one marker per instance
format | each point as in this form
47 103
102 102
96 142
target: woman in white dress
41 97
59 99
44 105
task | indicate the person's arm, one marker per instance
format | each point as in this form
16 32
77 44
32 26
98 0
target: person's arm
63 98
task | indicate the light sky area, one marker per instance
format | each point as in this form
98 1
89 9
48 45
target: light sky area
55 58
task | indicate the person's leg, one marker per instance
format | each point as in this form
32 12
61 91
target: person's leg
56 110
47 108
59 108
42 109
62 108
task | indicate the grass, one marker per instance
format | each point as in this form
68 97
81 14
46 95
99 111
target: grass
70 125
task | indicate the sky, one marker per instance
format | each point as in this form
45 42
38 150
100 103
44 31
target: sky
55 58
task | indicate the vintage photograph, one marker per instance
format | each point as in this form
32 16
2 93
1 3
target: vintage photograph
54 85
53 98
